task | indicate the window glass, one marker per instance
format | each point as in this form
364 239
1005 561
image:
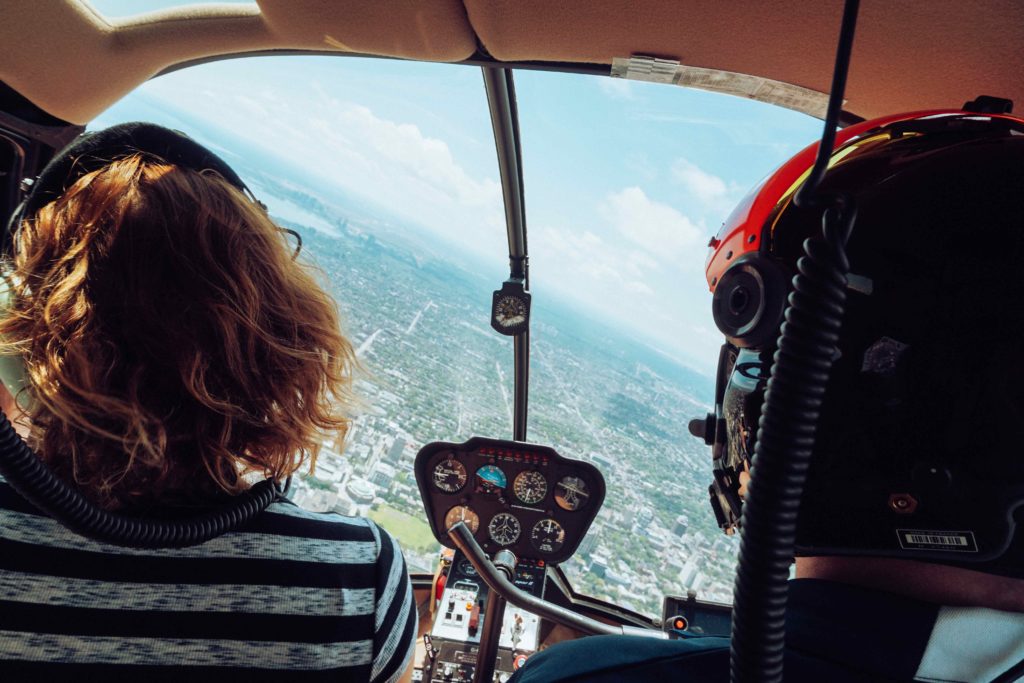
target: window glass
388 171
115 9
625 184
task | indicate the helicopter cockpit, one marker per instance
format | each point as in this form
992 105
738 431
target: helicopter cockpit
524 434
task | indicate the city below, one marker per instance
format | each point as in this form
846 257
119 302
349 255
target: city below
433 370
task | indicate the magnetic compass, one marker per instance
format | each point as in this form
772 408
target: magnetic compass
510 309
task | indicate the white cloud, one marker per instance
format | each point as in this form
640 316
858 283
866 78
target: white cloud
398 151
617 88
713 197
413 174
641 166
637 287
624 254
657 227
590 261
390 162
706 187
610 278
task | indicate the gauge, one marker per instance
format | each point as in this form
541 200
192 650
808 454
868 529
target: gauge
467 568
510 311
547 536
449 475
490 478
504 528
530 487
571 493
462 513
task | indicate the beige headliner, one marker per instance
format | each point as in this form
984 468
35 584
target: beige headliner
74 63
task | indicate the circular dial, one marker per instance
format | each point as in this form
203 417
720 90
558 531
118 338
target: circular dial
462 513
449 475
490 478
530 487
571 493
547 536
510 311
467 568
504 528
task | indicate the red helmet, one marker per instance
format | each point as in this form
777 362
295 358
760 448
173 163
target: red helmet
914 447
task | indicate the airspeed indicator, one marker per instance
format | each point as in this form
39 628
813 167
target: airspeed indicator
530 487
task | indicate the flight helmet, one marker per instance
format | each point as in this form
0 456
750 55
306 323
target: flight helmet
920 447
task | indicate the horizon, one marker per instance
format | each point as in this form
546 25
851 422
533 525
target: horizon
616 229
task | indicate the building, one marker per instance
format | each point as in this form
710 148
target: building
394 454
332 467
689 573
345 506
588 544
643 520
599 566
602 461
315 500
656 540
681 525
383 476
361 491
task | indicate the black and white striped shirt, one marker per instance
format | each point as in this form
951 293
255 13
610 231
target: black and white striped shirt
293 596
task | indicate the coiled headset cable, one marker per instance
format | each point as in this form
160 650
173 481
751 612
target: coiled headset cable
806 350
34 481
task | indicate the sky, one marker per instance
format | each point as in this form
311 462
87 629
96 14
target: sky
625 181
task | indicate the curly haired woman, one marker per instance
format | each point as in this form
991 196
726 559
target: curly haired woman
173 352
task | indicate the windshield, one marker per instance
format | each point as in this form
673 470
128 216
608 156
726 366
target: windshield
625 184
388 170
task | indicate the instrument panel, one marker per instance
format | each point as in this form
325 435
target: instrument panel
520 496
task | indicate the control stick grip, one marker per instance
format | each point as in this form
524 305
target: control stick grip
496 580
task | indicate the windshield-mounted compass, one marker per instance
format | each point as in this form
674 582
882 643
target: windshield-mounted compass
510 308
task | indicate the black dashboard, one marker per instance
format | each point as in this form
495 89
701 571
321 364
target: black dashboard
520 496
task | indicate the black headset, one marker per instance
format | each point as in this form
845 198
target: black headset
22 469
93 150
750 299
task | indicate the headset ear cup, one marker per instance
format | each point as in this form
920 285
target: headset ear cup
750 299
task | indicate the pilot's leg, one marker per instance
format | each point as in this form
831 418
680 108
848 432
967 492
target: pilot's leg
629 658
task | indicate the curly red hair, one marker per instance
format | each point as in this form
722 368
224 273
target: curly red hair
172 343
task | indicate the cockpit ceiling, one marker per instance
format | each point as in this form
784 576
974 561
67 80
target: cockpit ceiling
74 63
913 54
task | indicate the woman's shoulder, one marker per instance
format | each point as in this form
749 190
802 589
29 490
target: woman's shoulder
288 518
287 508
